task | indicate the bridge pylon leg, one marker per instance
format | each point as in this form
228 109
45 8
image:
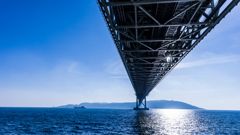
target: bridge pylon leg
138 103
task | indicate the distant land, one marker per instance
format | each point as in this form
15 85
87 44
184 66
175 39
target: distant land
154 104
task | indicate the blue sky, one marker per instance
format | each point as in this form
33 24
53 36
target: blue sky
60 52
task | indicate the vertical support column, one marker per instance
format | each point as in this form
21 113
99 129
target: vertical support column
136 102
136 29
143 103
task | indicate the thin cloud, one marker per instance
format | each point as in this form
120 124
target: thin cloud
73 68
117 70
210 61
236 39
118 77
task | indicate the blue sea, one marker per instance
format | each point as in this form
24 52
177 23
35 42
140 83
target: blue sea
117 121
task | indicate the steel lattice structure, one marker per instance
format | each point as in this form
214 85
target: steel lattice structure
153 36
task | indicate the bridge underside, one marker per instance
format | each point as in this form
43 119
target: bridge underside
153 36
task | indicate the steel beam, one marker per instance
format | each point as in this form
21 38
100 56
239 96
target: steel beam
154 25
183 50
146 12
181 13
154 63
147 2
150 57
158 40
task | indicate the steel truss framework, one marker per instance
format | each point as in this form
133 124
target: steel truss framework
153 36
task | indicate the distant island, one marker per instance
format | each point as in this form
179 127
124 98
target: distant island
152 104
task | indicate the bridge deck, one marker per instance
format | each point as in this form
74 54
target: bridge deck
153 36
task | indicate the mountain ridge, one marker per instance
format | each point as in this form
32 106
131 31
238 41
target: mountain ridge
154 104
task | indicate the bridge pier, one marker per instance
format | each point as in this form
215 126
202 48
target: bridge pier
138 103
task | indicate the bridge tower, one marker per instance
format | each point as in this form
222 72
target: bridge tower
138 103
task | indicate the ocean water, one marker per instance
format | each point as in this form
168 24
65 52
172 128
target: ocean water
117 121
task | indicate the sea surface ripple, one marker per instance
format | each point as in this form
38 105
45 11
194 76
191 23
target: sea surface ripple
117 121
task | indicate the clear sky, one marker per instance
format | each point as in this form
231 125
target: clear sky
60 52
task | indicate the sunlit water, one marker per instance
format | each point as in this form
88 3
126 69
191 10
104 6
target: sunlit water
117 121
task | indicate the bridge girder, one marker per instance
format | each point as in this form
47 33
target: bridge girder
153 36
